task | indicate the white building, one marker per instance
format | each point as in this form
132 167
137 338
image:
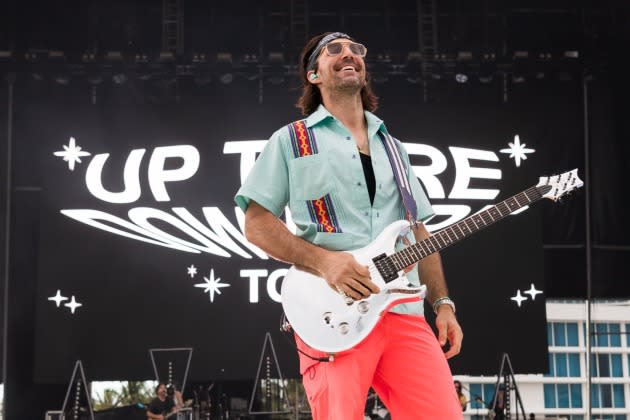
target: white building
562 393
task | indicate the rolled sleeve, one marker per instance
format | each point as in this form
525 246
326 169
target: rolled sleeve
268 182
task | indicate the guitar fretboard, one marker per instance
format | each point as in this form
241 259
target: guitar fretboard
458 231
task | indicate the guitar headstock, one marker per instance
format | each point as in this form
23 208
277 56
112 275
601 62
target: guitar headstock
556 186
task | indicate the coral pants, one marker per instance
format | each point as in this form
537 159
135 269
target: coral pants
401 359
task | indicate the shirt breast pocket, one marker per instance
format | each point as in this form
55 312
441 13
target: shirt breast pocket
310 177
314 196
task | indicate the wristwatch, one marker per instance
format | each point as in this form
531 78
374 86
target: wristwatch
443 301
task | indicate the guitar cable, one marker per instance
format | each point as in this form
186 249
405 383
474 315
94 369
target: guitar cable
285 328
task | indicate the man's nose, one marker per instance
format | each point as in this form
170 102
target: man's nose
345 50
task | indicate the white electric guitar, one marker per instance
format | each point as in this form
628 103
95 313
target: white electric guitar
327 322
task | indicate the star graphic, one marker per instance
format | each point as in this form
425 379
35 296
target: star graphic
192 270
72 153
73 304
517 151
533 292
518 298
58 298
212 285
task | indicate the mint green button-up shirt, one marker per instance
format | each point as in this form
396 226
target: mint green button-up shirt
279 179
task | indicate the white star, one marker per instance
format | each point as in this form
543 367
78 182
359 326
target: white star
212 285
72 153
533 292
192 270
58 298
73 304
518 298
517 150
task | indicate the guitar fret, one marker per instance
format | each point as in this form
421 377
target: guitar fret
424 246
431 239
399 263
406 258
454 232
438 237
414 253
511 204
403 258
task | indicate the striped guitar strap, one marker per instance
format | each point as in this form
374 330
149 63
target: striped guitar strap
400 176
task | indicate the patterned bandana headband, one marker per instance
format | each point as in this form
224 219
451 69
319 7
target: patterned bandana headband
325 40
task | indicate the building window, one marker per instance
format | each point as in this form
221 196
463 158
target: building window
481 395
606 365
564 365
563 395
605 335
562 334
607 396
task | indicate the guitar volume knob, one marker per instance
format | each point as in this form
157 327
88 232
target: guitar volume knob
344 328
363 307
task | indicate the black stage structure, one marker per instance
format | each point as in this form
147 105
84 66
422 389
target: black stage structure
169 102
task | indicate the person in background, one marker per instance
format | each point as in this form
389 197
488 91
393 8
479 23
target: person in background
463 401
167 402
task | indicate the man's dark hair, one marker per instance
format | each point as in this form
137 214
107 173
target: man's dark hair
311 97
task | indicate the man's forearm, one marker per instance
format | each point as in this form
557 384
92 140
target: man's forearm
271 235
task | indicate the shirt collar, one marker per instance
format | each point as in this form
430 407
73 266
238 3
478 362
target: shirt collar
374 123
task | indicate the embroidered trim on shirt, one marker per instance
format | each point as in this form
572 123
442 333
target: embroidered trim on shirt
302 139
323 213
322 210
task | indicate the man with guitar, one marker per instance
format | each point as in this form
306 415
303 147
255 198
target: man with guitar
345 180
164 406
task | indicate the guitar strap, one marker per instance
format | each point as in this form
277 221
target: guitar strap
400 175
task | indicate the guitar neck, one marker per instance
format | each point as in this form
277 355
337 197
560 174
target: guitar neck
458 231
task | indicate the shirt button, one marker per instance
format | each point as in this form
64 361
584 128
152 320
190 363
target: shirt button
348 138
358 184
354 156
366 213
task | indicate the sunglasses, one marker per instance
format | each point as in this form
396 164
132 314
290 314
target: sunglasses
334 49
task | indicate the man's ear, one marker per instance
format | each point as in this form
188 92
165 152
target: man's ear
312 77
